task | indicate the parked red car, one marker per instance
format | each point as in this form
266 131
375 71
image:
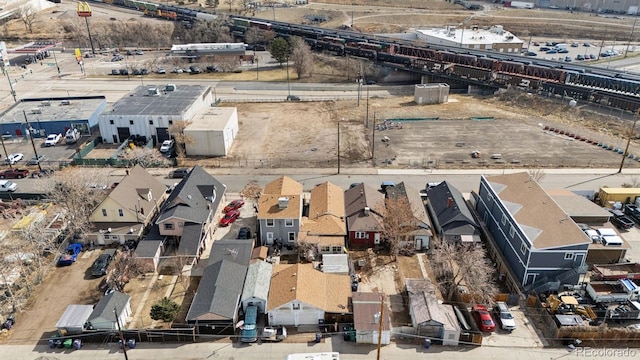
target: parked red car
229 218
234 205
483 318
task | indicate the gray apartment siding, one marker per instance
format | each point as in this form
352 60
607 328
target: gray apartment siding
279 231
527 265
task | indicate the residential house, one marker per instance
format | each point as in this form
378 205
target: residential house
366 318
215 306
111 309
325 226
256 286
451 218
364 210
303 295
541 245
280 211
128 209
188 214
429 317
419 237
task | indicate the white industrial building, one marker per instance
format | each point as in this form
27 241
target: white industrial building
212 131
494 38
150 110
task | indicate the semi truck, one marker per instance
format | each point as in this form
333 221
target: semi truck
619 291
614 272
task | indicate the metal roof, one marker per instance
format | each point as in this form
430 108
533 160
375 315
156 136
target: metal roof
53 109
140 100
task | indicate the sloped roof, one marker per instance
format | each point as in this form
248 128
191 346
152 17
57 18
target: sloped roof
541 219
425 305
147 248
190 239
412 195
133 191
268 207
576 205
301 282
321 240
238 251
365 308
219 292
452 213
191 200
324 225
75 316
283 185
104 308
326 211
358 198
257 281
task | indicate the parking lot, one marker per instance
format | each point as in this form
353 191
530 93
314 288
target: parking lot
53 154
577 51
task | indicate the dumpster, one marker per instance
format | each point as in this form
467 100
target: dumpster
131 343
427 343
77 344
318 337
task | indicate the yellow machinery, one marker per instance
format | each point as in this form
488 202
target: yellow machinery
569 305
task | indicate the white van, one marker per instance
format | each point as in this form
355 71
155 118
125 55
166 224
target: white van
612 241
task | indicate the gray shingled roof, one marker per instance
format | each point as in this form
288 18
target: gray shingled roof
453 216
257 281
412 195
191 198
238 251
104 308
190 239
147 248
219 292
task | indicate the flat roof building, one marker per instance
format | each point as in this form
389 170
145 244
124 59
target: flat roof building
481 38
150 110
52 115
212 131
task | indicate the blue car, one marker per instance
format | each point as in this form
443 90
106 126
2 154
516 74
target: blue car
70 254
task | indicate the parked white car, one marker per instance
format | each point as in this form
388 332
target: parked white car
13 158
52 139
6 186
166 146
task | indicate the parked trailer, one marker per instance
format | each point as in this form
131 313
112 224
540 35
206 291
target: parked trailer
613 272
628 311
619 291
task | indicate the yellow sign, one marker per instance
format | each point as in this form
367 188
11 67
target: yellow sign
78 54
84 10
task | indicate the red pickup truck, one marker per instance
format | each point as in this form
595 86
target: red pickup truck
14 173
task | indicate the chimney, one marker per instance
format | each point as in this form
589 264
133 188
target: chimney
366 210
449 202
283 202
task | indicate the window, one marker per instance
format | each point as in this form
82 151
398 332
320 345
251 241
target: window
568 256
336 249
150 122
296 306
270 223
523 249
170 122
104 212
120 212
288 222
110 122
325 249
168 226
512 231
292 236
181 224
130 122
504 219
361 235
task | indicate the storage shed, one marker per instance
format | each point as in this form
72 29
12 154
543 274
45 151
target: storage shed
73 320
425 94
429 316
366 318
213 131
103 316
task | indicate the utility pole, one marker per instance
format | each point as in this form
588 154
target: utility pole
124 346
633 29
380 325
4 148
35 152
626 149
338 147
373 140
366 123
288 81
13 92
56 60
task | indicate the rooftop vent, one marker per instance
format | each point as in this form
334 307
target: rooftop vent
366 210
283 202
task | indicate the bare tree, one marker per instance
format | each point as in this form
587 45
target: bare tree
398 221
246 4
146 157
125 267
457 264
230 3
227 63
27 15
251 191
301 56
536 174
177 131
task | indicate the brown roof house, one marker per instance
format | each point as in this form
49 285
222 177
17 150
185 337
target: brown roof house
128 208
364 209
302 295
325 227
366 318
280 211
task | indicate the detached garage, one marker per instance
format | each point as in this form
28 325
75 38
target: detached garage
74 319
212 132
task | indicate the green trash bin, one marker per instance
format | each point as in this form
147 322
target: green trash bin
67 343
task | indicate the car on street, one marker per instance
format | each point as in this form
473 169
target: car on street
53 139
166 145
579 57
563 51
177 70
7 186
552 51
36 160
483 318
14 174
244 233
100 267
117 58
161 71
229 218
587 44
70 254
115 72
531 53
293 98
144 71
504 316
124 72
234 205
139 52
178 173
194 70
13 158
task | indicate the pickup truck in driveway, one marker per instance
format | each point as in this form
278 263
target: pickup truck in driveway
14 174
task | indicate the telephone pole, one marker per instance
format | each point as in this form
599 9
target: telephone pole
124 345
338 147
380 325
35 152
626 149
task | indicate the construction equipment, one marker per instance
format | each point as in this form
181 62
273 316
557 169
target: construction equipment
568 305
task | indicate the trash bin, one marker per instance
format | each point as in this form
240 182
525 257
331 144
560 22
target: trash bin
131 343
77 344
427 343
67 343
318 337
52 343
